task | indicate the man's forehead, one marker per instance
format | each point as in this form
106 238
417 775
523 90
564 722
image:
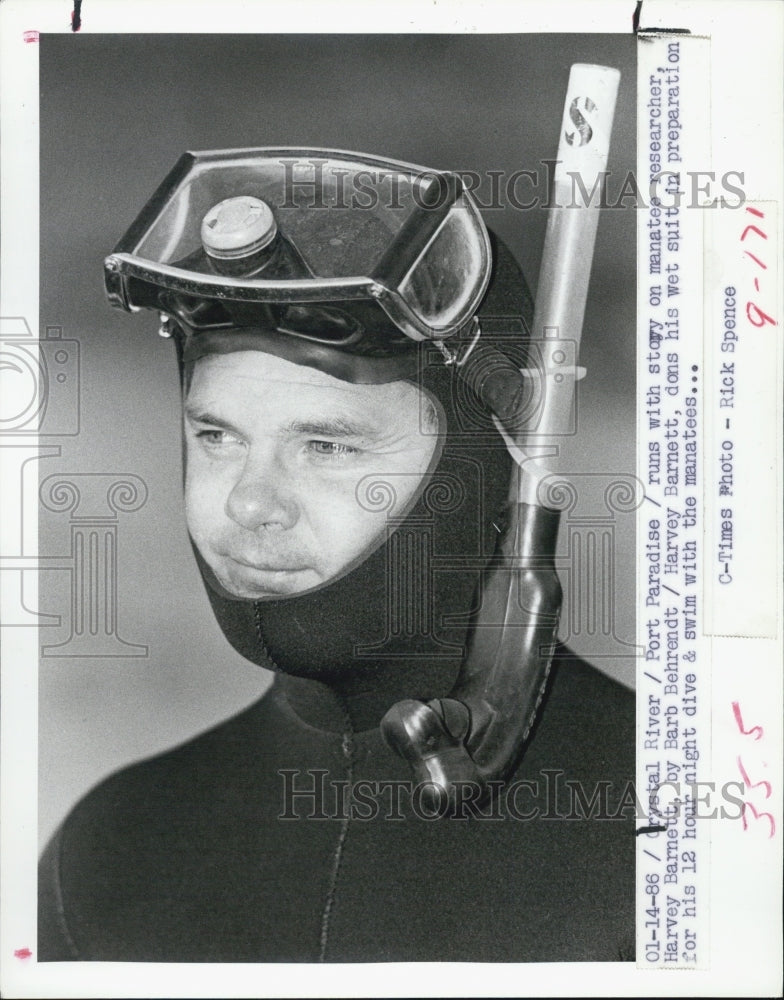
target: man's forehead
260 368
221 379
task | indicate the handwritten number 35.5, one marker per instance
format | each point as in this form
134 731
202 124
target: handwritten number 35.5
756 733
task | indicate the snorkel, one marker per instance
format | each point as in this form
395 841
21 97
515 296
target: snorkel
477 736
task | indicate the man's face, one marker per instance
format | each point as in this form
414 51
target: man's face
276 458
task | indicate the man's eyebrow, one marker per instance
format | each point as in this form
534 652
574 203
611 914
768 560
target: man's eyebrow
200 416
337 426
332 427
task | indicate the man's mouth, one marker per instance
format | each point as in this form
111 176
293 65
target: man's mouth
255 579
270 566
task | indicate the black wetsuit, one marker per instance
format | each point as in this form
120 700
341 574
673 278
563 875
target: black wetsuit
185 857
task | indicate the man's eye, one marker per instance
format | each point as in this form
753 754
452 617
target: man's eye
216 438
331 449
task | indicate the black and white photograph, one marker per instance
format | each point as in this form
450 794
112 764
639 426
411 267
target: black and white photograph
420 747
349 553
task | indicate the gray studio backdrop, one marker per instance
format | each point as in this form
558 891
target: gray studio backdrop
116 113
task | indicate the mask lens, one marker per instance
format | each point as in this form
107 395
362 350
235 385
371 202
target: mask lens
340 215
442 286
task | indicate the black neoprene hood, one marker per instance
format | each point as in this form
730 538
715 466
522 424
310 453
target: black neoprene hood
344 626
363 291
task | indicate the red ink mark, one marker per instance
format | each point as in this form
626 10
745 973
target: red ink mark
756 260
754 784
753 229
739 719
756 733
30 36
760 317
756 316
756 815
23 953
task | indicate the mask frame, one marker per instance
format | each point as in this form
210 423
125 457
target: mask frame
429 250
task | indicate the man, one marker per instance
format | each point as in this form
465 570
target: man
345 492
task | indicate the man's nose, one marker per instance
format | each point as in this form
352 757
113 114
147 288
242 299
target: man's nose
263 496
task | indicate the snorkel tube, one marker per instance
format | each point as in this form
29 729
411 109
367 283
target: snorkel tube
476 735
